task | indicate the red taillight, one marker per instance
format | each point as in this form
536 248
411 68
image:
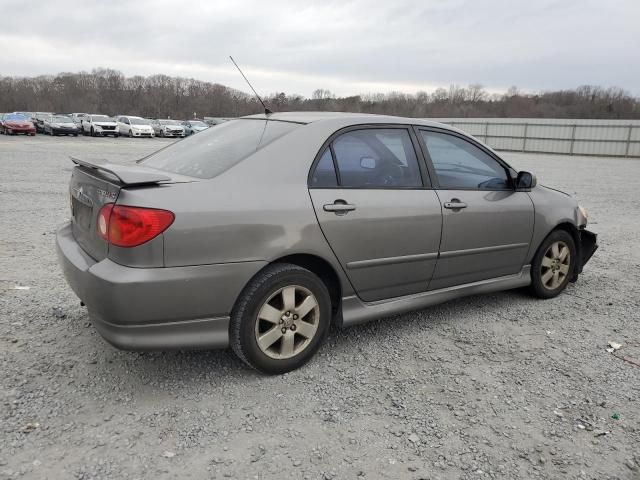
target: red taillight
125 226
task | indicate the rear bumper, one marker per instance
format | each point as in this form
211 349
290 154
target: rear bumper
105 133
64 131
588 246
20 129
154 308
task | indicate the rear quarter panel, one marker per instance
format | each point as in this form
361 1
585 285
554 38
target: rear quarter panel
259 210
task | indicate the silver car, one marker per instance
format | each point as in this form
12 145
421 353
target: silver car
167 128
259 233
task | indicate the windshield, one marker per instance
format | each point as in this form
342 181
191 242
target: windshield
60 119
169 122
139 121
198 124
215 150
16 116
101 118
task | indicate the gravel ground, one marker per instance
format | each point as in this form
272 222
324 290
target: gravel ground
493 386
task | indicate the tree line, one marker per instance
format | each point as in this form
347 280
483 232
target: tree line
160 96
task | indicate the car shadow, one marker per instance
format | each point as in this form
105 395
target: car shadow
188 366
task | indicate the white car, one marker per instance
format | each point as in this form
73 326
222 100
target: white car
99 126
77 119
168 128
135 126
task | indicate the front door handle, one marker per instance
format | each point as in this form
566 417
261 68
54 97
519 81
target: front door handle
339 207
455 204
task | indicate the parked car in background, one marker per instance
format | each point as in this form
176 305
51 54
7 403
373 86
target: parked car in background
167 128
263 231
77 119
213 121
194 126
135 126
38 120
60 125
99 126
14 123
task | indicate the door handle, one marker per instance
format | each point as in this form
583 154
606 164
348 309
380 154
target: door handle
339 207
455 204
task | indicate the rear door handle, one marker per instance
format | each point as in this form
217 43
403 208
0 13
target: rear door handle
455 204
339 207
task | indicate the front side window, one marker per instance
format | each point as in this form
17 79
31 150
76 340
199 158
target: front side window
377 158
461 165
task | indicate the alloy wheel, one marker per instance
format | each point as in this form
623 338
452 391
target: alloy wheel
555 265
287 322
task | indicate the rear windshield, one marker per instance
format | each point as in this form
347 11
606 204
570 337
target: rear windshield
212 151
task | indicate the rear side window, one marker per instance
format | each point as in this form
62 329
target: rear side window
377 158
215 150
325 173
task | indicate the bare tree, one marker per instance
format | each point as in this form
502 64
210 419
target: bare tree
109 91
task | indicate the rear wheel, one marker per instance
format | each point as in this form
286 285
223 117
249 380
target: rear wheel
280 319
553 265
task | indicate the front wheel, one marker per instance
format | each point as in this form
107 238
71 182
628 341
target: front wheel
280 319
553 264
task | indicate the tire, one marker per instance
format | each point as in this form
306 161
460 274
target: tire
267 292
93 132
75 134
130 133
553 265
162 133
116 135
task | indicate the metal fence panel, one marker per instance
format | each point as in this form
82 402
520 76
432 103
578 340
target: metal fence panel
500 143
563 136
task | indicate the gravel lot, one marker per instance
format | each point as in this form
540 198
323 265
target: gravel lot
494 386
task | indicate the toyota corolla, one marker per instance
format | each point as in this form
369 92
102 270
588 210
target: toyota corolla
259 233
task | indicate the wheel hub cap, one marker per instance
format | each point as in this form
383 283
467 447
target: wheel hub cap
287 322
555 266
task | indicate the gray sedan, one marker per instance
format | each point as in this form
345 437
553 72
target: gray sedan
261 232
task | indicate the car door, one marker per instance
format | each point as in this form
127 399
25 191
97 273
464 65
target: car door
374 204
487 225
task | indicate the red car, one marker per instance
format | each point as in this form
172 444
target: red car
13 123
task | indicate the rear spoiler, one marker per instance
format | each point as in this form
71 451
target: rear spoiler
128 175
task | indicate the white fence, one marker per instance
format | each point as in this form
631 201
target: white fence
619 138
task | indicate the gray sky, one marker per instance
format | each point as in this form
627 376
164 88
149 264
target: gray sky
345 46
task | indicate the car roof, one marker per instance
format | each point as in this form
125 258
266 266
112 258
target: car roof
354 118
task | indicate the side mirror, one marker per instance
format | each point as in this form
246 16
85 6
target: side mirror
368 163
525 181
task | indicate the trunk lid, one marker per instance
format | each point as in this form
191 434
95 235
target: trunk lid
96 183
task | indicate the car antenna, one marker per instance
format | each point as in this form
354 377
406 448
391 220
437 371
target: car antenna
266 110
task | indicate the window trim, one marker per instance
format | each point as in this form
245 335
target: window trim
425 176
432 171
